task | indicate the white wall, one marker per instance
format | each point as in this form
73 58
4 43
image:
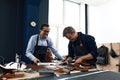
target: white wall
104 21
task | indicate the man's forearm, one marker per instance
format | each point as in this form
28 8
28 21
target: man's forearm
30 56
87 57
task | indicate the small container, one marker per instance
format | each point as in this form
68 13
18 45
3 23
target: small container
17 58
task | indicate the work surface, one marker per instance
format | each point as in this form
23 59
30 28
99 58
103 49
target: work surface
90 75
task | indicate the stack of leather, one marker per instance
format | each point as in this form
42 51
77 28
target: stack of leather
59 70
82 67
7 73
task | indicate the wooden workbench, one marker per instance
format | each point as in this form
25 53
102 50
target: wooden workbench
33 73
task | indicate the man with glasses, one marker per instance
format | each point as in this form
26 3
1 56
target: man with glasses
40 46
81 47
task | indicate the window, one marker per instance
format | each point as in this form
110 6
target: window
63 13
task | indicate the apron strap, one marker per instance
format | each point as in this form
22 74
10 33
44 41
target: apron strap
37 41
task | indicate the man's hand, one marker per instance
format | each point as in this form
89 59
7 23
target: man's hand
79 60
67 61
64 62
36 60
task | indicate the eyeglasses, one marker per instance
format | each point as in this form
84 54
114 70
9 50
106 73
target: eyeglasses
46 31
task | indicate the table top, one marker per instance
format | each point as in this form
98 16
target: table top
91 74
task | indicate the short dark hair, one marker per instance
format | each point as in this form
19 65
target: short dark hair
43 25
68 30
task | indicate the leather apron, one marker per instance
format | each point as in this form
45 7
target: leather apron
43 53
